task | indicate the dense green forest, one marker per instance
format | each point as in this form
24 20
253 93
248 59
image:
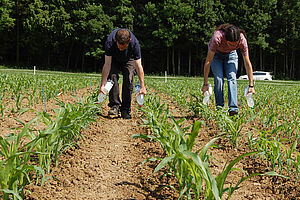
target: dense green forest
69 35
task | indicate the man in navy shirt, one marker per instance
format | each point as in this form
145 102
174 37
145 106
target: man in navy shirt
122 54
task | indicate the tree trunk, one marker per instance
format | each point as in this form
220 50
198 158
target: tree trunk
173 60
144 60
18 38
49 56
201 61
202 67
168 60
261 59
28 59
190 61
82 60
178 67
241 66
75 64
275 67
69 55
286 63
292 65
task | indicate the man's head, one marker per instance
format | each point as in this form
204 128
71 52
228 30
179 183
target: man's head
123 38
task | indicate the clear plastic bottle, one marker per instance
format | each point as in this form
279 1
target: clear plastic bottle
207 94
249 98
139 98
107 88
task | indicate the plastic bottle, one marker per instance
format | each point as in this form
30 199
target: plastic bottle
207 94
249 98
107 88
139 98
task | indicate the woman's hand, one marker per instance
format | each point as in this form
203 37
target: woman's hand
204 88
251 90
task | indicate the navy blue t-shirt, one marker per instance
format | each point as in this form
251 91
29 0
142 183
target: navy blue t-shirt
133 51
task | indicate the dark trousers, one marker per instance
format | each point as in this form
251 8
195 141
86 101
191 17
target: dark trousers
128 71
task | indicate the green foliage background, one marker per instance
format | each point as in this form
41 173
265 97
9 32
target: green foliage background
70 35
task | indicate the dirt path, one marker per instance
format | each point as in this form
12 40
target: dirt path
108 165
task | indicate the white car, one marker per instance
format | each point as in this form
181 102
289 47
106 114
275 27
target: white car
258 75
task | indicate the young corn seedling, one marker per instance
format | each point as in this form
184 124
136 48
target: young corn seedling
271 150
200 110
15 169
64 132
190 169
290 160
296 164
232 127
189 177
3 108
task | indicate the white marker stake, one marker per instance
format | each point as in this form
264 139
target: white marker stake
33 70
165 76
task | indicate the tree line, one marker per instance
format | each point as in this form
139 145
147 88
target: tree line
174 34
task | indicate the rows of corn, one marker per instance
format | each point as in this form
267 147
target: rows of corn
27 153
269 132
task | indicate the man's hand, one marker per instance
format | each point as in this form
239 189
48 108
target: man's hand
140 72
105 71
142 91
102 89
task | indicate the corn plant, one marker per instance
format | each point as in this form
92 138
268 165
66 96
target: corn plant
177 89
19 86
190 169
172 138
296 165
233 127
21 160
290 160
3 108
15 167
251 141
221 178
278 156
62 132
199 109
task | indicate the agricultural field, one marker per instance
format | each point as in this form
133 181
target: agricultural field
58 143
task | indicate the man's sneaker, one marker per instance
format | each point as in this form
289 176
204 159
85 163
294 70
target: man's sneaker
113 111
125 114
233 112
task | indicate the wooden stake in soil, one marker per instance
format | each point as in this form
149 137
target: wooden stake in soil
44 100
165 76
62 98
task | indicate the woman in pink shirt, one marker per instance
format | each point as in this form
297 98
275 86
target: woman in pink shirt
222 56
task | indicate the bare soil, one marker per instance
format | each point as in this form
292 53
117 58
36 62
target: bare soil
109 163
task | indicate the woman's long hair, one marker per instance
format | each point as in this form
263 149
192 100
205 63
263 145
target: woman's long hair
232 33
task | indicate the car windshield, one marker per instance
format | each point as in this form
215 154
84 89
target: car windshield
259 73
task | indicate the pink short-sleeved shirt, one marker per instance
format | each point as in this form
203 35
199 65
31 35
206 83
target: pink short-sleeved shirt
218 44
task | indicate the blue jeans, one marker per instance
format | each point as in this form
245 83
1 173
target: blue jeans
227 62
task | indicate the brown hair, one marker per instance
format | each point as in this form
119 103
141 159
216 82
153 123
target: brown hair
123 36
232 33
